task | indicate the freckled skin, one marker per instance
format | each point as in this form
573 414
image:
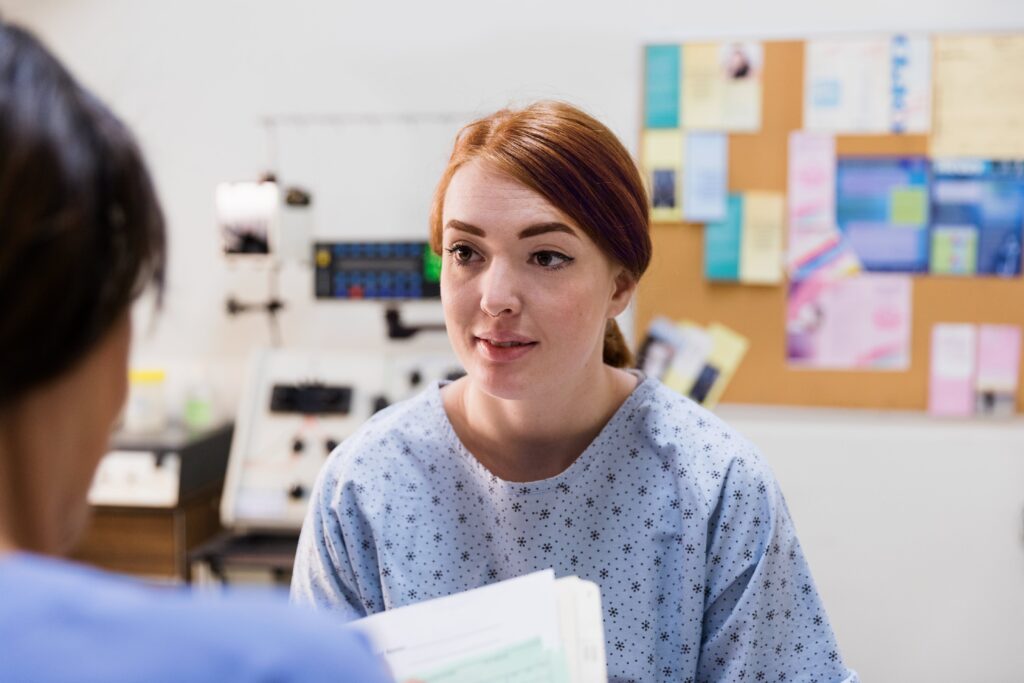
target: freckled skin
500 283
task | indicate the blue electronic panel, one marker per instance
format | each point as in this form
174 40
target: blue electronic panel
376 270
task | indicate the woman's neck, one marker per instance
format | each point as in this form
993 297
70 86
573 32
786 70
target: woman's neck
32 510
6 547
9 498
530 440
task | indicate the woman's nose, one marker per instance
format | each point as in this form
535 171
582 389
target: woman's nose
500 291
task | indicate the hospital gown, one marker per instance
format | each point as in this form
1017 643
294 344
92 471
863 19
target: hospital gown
674 515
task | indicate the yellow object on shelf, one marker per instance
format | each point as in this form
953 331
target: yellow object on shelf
145 412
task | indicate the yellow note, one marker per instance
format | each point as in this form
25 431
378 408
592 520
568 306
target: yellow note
741 105
702 92
661 153
727 350
979 96
761 256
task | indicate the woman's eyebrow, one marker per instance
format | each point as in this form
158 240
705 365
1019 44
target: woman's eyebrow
529 231
541 228
454 224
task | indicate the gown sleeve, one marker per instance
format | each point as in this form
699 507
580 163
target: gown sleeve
763 618
323 576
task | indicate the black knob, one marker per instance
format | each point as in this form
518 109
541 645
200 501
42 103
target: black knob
298 445
297 492
330 445
380 403
415 378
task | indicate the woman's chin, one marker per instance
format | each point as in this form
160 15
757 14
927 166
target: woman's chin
503 384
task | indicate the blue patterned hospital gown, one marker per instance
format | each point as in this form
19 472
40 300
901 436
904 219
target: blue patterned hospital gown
674 515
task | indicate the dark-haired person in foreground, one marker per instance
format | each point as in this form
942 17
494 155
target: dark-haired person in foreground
81 234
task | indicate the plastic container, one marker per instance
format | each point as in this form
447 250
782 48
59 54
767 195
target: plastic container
146 412
200 412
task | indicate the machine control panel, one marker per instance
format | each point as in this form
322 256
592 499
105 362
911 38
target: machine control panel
296 408
311 399
376 270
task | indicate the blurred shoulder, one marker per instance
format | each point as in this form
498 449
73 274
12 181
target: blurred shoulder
100 627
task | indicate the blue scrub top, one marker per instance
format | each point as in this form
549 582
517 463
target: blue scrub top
64 622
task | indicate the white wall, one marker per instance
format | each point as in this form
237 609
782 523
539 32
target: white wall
914 529
914 536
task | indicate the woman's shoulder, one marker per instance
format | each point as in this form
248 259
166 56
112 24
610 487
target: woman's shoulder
708 451
664 409
401 430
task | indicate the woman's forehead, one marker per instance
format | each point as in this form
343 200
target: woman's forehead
481 195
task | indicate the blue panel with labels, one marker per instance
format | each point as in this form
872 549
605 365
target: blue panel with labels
376 270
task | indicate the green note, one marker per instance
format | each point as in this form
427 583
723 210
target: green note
908 206
954 250
528 662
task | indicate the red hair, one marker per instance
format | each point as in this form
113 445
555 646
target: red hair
578 165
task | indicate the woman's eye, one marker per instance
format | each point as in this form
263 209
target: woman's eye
461 253
551 259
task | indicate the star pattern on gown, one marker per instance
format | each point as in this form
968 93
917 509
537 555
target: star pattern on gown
674 516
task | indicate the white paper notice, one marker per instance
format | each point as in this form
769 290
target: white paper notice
847 85
911 84
979 97
951 387
705 177
815 243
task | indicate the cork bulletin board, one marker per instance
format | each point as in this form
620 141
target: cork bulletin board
675 285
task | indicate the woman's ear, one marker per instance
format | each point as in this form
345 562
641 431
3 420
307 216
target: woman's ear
625 286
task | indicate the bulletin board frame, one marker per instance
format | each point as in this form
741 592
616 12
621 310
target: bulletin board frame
674 285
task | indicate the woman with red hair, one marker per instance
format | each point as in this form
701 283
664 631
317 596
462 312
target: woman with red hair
549 452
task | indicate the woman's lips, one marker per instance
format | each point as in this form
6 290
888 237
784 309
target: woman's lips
505 349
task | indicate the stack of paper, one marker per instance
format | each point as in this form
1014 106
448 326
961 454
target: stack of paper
531 629
695 361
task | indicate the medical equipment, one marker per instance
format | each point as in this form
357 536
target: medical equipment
297 407
248 213
377 270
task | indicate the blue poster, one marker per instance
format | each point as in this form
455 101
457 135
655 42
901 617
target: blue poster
722 241
977 216
882 210
661 86
705 177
